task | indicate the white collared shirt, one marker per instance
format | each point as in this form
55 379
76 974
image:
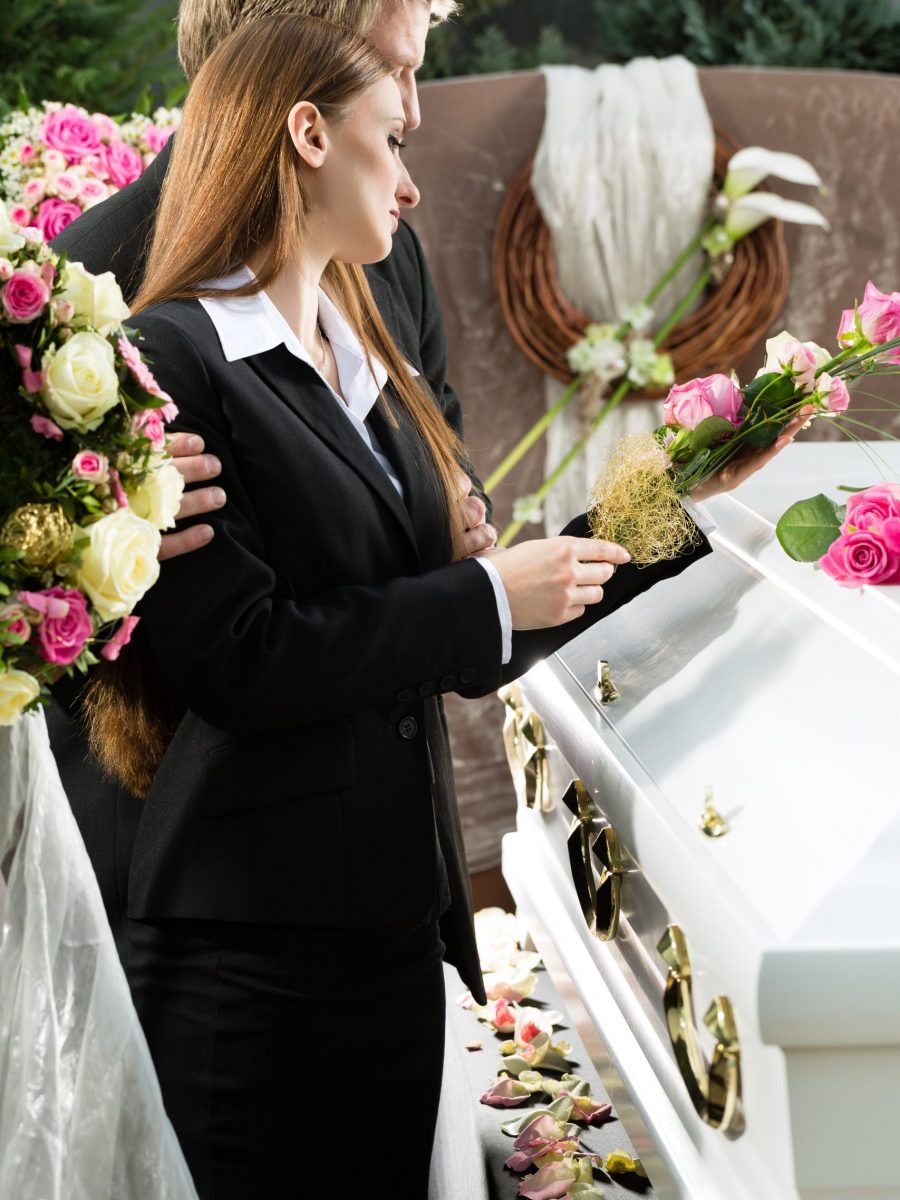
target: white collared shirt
248 325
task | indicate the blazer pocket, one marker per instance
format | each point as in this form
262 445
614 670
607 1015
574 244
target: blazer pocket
273 767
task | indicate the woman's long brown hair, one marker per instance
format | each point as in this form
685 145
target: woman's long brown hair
234 190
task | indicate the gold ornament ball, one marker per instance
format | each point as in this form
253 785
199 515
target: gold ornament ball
41 531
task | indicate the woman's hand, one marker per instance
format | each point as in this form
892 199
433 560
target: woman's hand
552 580
196 467
479 536
745 465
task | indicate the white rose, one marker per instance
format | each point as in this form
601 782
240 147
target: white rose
17 689
10 238
82 384
158 498
120 564
97 299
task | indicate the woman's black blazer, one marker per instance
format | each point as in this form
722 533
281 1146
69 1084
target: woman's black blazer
308 782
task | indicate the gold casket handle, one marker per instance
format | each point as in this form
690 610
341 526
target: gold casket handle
715 1087
600 899
526 750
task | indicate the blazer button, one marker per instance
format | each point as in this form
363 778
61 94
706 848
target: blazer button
469 675
406 695
427 689
408 728
448 683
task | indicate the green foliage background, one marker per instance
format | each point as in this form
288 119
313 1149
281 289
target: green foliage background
107 54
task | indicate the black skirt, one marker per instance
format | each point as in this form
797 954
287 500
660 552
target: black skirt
295 1061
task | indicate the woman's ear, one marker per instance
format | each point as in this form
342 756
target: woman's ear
306 125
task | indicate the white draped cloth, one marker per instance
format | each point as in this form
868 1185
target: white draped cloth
622 176
81 1115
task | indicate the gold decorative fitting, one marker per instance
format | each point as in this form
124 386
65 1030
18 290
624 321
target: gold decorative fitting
598 887
714 1087
605 686
41 531
526 751
712 822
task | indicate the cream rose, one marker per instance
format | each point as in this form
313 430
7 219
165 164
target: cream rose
158 498
17 689
97 299
10 238
120 564
81 382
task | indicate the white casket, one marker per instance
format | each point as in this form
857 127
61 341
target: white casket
741 992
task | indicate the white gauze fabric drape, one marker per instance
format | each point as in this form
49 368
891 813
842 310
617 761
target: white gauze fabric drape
81 1115
621 175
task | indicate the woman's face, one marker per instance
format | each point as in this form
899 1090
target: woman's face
362 185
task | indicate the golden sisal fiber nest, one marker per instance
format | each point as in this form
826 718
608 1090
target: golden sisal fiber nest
717 335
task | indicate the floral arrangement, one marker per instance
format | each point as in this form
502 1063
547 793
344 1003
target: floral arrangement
625 352
858 542
708 422
547 1139
85 485
58 160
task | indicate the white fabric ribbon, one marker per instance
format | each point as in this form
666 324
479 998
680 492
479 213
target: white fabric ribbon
621 175
81 1115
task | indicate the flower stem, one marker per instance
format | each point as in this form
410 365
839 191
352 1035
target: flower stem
682 307
533 435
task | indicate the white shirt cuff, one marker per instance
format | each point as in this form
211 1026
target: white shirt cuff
503 610
700 515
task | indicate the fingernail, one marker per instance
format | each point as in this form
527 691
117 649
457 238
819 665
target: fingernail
217 496
206 533
194 444
213 465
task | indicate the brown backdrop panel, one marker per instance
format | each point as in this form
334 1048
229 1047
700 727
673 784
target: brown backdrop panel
476 134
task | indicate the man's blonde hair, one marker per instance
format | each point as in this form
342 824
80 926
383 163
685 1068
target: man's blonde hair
203 24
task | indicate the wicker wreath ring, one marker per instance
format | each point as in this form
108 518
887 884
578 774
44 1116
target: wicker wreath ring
715 337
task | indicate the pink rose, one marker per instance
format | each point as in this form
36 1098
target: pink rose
26 153
869 510
94 164
879 315
105 126
66 185
858 558
798 360
90 465
832 392
586 1109
157 136
24 297
505 1093
46 428
6 270
499 1014
712 396
119 639
63 310
55 215
117 490
66 624
20 215
122 162
149 424
72 133
543 1135
15 628
54 161
91 192
847 334
144 377
34 191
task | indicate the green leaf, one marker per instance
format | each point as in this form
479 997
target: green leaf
771 392
808 528
711 430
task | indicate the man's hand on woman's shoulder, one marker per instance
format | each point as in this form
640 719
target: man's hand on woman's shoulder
196 467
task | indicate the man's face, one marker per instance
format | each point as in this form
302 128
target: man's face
400 34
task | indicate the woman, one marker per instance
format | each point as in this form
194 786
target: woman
298 842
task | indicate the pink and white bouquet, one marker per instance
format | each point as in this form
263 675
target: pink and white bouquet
58 160
708 422
85 482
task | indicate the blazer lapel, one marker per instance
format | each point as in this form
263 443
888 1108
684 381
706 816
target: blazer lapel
421 487
307 396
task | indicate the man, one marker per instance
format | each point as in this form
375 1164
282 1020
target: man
115 235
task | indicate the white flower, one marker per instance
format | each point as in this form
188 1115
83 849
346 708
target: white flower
746 213
158 498
119 564
643 363
750 166
801 360
639 317
97 299
10 237
17 690
604 358
528 509
81 381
